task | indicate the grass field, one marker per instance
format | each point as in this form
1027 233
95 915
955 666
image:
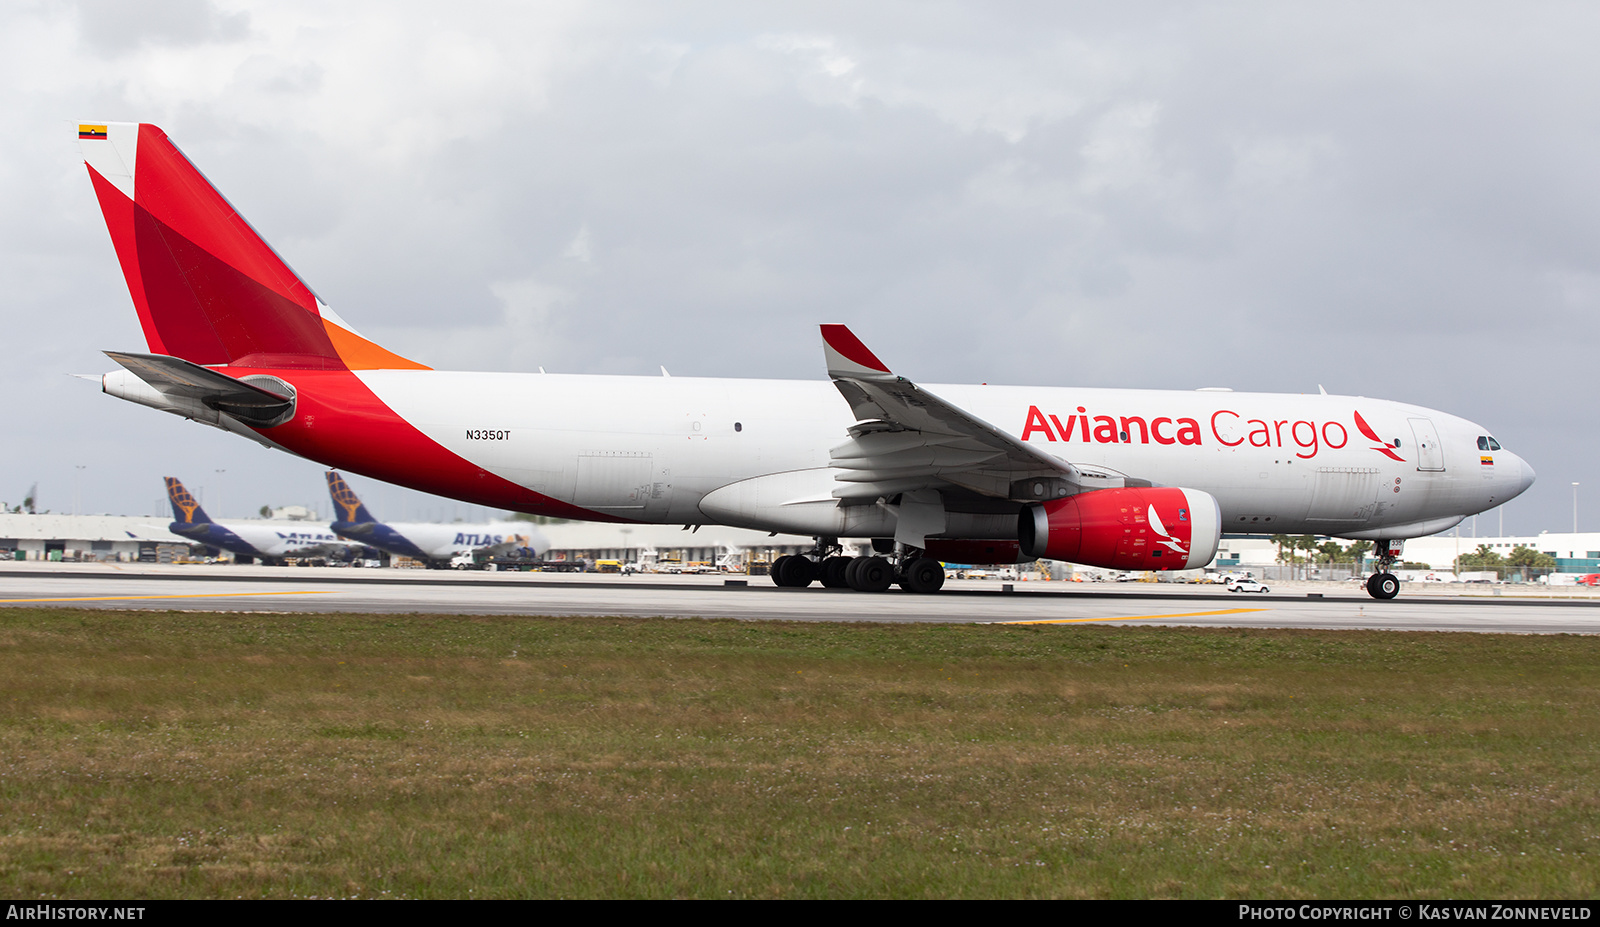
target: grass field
148 754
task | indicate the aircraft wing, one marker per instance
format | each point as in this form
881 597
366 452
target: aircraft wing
907 439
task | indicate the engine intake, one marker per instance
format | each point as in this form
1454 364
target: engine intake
1163 528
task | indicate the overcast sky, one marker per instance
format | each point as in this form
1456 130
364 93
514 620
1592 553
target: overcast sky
1394 200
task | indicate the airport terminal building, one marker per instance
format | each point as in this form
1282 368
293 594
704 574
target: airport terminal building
115 538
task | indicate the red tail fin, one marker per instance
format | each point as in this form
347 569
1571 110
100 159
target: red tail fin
207 288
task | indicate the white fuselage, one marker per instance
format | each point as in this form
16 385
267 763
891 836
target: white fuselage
285 538
652 449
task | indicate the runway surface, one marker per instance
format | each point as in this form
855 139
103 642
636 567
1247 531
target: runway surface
289 589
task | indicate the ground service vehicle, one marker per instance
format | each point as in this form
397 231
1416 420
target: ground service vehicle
1119 479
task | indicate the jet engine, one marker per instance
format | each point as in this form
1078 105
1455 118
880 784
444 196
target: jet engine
1163 528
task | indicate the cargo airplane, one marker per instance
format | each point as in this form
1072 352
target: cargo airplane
267 541
1122 479
433 544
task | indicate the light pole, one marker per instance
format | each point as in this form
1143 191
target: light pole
1574 508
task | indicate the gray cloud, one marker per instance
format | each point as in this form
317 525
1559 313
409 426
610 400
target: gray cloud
110 26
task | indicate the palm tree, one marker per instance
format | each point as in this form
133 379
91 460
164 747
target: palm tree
1357 552
1308 544
1284 542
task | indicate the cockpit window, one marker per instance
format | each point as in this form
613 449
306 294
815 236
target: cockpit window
1487 443
1494 445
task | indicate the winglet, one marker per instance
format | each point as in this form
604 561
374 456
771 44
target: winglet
185 510
346 499
847 356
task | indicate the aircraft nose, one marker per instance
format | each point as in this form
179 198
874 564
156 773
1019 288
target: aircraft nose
1525 477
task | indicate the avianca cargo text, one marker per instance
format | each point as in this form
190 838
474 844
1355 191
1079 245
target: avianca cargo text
1224 426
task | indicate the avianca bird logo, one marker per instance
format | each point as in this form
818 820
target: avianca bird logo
1167 540
1381 444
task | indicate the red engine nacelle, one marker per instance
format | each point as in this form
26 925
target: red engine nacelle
1125 529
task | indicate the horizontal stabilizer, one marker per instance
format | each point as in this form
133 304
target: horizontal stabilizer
178 379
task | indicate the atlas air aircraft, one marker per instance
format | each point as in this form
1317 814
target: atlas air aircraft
433 544
267 541
1122 479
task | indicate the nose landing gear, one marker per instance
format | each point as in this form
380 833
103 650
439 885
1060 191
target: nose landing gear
1384 584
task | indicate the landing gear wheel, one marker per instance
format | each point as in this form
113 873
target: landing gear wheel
923 574
799 572
832 572
1383 585
872 574
793 571
851 569
777 571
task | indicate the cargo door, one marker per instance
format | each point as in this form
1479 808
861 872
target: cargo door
614 480
1430 453
1344 497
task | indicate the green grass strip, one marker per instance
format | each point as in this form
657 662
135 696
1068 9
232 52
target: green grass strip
172 754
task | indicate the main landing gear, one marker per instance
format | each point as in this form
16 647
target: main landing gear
1384 584
906 566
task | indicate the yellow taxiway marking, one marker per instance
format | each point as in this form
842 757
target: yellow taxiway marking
1224 611
198 595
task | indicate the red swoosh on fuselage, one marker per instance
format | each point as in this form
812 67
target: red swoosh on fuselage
340 422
